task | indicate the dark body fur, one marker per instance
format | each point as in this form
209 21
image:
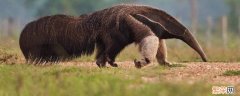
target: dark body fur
61 37
50 36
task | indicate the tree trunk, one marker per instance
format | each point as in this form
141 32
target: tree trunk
224 31
209 31
194 15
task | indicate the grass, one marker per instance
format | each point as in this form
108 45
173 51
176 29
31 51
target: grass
177 65
232 73
27 80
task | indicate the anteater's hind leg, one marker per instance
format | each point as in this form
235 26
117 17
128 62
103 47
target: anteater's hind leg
101 60
107 52
111 59
113 51
101 54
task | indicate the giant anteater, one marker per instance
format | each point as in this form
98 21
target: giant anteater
61 37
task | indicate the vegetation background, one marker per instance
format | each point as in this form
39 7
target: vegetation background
215 23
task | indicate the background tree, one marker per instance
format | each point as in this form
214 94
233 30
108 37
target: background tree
234 13
194 15
73 7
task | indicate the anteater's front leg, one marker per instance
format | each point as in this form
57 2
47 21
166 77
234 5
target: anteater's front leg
148 49
162 53
147 40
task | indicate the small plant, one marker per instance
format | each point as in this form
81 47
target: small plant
178 65
231 73
7 57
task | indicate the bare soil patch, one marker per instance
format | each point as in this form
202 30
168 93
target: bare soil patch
211 72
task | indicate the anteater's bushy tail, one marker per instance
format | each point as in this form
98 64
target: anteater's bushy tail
55 38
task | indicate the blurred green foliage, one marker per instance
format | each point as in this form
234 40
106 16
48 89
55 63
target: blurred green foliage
232 73
234 14
76 7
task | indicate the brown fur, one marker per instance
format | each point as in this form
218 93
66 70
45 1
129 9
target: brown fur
61 37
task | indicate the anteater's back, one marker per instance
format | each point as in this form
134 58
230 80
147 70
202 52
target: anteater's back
52 38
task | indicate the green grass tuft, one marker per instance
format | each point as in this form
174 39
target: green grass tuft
177 65
232 73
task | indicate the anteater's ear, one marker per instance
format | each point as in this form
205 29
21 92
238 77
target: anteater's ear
168 24
149 22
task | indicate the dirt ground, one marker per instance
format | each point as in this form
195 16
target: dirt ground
211 72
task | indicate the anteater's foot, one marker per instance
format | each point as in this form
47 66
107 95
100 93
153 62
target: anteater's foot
165 63
113 64
101 65
137 64
141 63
